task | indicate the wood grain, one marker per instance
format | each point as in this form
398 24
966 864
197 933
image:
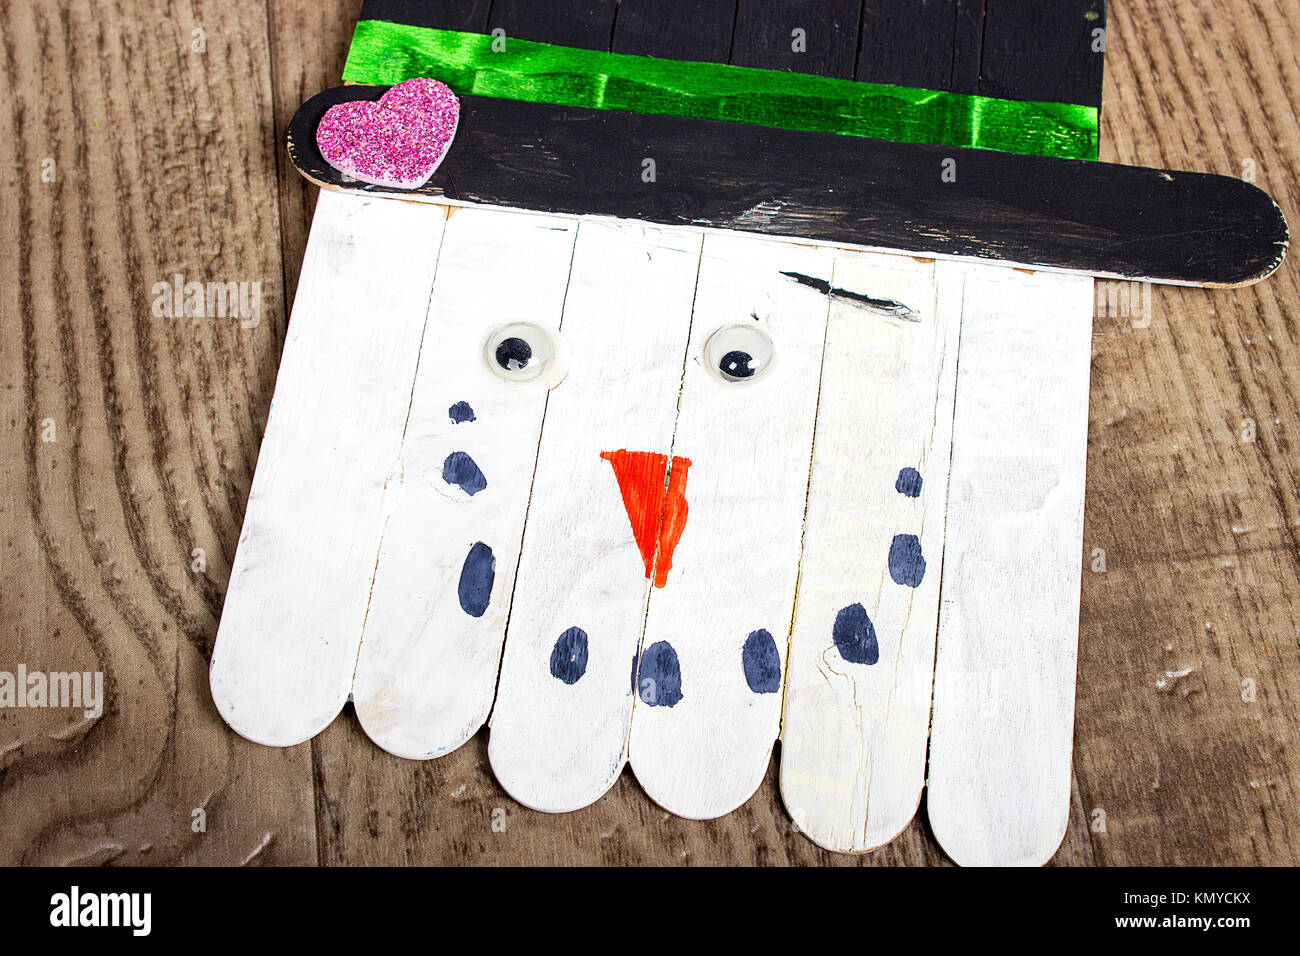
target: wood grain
159 424
1199 525
156 420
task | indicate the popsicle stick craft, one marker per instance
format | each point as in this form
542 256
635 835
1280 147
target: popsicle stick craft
650 406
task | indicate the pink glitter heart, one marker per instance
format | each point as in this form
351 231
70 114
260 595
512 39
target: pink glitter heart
398 141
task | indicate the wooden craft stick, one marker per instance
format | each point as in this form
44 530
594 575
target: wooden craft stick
455 510
722 617
862 647
1074 216
287 644
1008 625
564 699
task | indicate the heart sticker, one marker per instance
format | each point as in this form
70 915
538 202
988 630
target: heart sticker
398 141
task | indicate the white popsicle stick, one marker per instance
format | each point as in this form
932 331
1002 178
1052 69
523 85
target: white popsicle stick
287 643
564 699
722 617
862 648
1008 626
427 670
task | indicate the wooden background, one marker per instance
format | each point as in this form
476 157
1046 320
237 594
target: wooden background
169 160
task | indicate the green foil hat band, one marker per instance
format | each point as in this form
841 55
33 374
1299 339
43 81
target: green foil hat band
385 53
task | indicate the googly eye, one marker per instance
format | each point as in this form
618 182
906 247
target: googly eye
523 352
738 354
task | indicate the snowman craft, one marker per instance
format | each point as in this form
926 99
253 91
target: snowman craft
645 432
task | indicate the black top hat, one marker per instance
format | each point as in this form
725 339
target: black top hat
924 181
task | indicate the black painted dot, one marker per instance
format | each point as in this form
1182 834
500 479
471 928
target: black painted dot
460 469
762 663
476 578
855 636
906 563
909 483
661 676
514 353
569 656
738 364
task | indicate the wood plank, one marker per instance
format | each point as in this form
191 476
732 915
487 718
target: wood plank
968 47
1196 520
299 70
128 434
904 43
333 434
1074 216
564 700
766 37
382 810
724 612
470 15
857 710
436 621
582 23
1018 49
1043 51
675 29
1008 625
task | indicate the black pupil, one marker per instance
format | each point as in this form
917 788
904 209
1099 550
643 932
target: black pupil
737 364
514 354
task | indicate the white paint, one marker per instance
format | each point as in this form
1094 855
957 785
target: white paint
287 642
735 566
427 670
1008 628
320 528
854 734
557 746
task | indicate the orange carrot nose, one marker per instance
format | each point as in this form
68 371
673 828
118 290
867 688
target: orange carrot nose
655 507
